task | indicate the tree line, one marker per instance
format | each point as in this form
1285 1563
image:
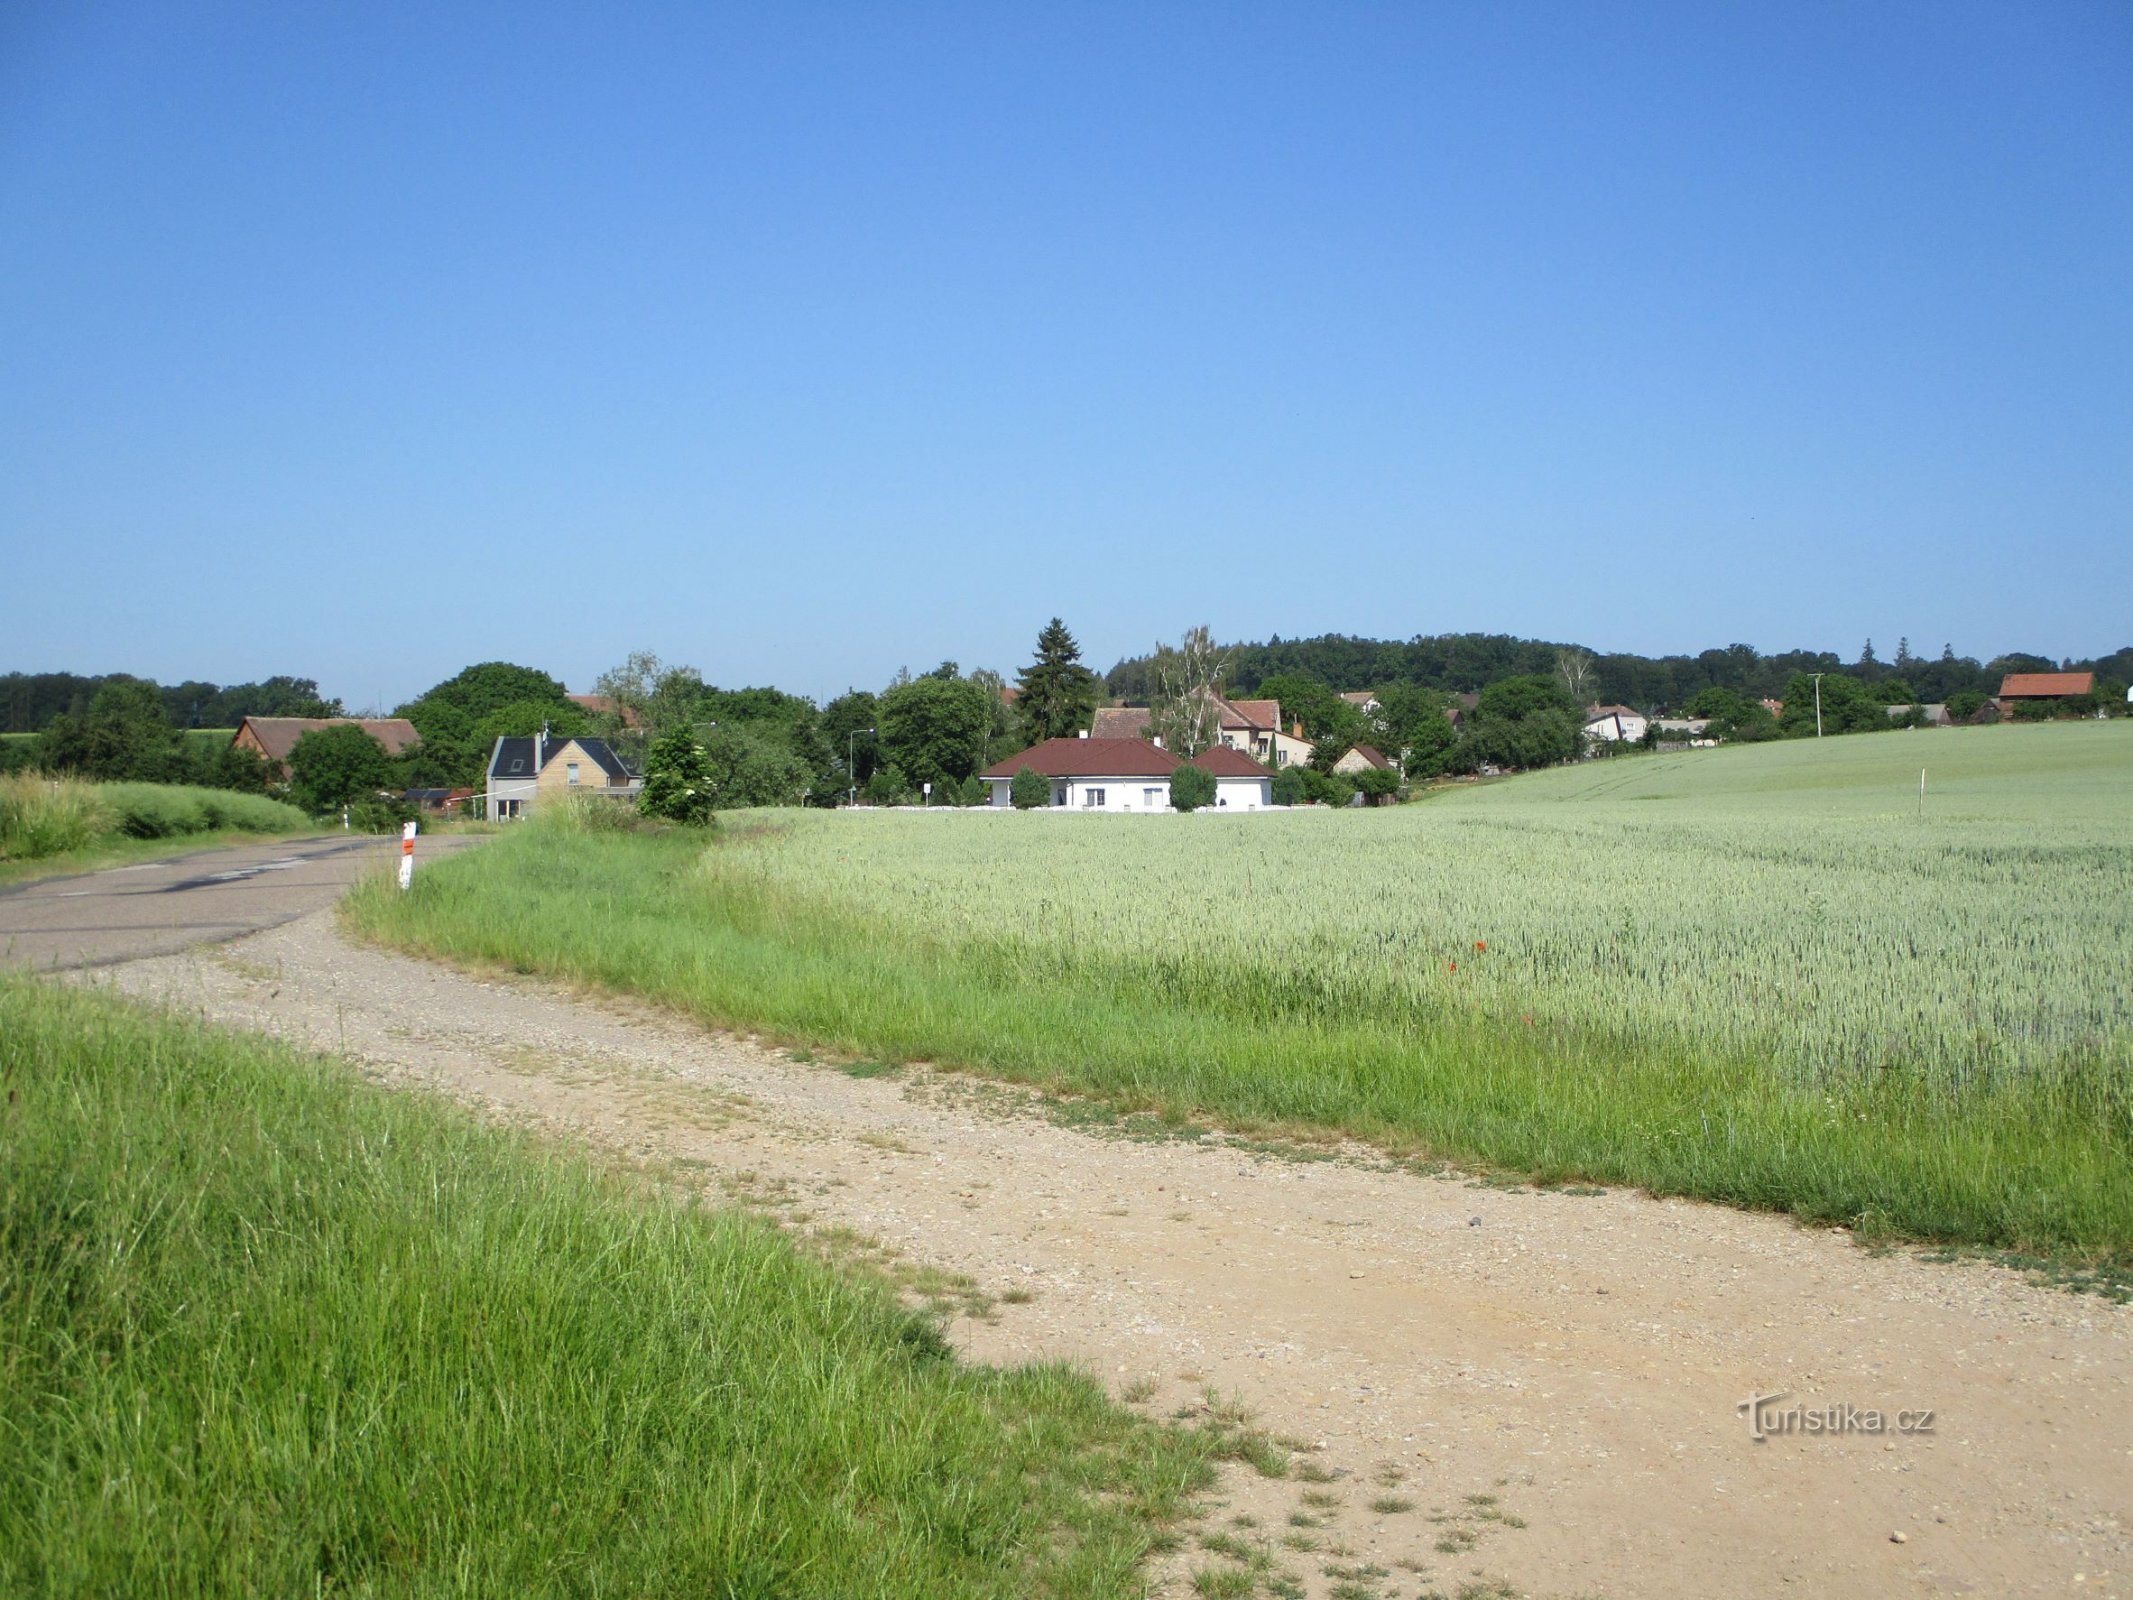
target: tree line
1466 663
31 702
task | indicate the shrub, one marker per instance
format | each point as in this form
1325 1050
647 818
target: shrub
1030 789
887 787
1288 788
1191 787
165 811
1379 783
677 780
42 816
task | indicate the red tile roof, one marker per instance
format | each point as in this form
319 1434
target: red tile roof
1255 713
1089 758
1120 722
2045 685
1224 762
601 705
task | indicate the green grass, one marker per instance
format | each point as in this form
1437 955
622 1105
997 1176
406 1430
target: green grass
1754 975
65 824
268 1329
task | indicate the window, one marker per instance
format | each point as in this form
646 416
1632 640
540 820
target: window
1093 799
1059 794
570 772
1153 798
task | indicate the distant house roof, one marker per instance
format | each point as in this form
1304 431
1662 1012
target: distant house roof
1090 758
514 758
1251 713
1595 713
2045 685
1225 762
1360 697
1120 722
601 705
1370 754
275 737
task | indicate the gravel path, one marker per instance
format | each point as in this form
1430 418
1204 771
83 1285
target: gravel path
1533 1390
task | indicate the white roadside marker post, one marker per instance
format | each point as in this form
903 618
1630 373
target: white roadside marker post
407 856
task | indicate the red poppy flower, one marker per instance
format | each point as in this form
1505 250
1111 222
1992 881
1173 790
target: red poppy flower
1481 944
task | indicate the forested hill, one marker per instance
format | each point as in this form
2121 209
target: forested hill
1467 662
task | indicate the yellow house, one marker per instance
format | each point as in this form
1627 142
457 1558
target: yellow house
524 773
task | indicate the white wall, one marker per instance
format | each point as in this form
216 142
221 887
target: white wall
1079 794
522 790
1243 794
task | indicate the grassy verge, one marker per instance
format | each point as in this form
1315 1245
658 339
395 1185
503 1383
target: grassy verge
267 1329
57 824
2033 1165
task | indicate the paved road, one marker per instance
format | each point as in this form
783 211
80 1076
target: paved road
204 897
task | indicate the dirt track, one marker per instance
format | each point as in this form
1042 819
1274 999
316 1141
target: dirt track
1552 1380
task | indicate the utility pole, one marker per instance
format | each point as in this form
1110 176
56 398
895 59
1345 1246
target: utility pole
1818 705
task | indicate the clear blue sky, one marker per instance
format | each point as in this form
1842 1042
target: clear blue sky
800 342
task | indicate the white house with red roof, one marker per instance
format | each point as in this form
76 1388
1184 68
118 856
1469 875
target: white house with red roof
1091 774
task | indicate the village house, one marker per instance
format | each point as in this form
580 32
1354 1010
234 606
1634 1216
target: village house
525 772
1615 724
1241 784
1105 774
272 738
1251 726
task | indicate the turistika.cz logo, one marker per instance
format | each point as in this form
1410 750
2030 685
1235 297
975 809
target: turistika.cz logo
1766 1418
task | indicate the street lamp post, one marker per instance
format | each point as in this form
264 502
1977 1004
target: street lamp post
1818 705
851 767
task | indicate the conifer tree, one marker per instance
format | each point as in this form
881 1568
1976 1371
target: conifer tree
1058 698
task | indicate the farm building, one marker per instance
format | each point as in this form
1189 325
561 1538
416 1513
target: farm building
272 738
1361 758
1615 724
524 772
2018 687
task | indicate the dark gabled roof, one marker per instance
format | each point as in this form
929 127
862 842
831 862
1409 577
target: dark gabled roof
513 758
1225 762
1370 754
1089 758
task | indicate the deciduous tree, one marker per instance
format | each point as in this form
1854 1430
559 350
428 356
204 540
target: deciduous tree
337 766
1184 680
